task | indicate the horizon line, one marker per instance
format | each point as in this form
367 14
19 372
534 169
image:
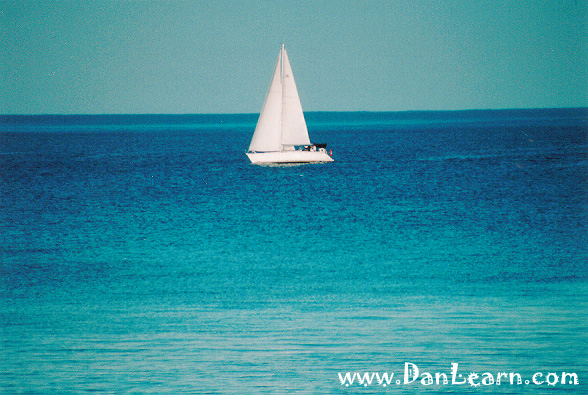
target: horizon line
305 112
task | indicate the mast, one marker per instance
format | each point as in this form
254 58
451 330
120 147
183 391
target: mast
282 84
282 64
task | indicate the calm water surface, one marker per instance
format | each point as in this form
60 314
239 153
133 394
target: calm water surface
144 254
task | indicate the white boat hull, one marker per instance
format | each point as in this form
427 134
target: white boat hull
289 157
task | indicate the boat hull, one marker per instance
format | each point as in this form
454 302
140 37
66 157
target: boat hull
289 157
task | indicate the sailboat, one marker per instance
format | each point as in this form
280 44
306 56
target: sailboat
281 135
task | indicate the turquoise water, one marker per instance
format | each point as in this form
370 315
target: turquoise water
146 254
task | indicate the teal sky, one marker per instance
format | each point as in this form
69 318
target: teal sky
217 56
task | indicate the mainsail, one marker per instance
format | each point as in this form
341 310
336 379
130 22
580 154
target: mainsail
281 121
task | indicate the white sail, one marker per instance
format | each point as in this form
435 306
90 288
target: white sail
294 131
267 135
281 135
281 121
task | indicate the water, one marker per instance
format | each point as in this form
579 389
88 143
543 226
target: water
145 254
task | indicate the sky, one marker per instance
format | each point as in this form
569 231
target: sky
186 57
